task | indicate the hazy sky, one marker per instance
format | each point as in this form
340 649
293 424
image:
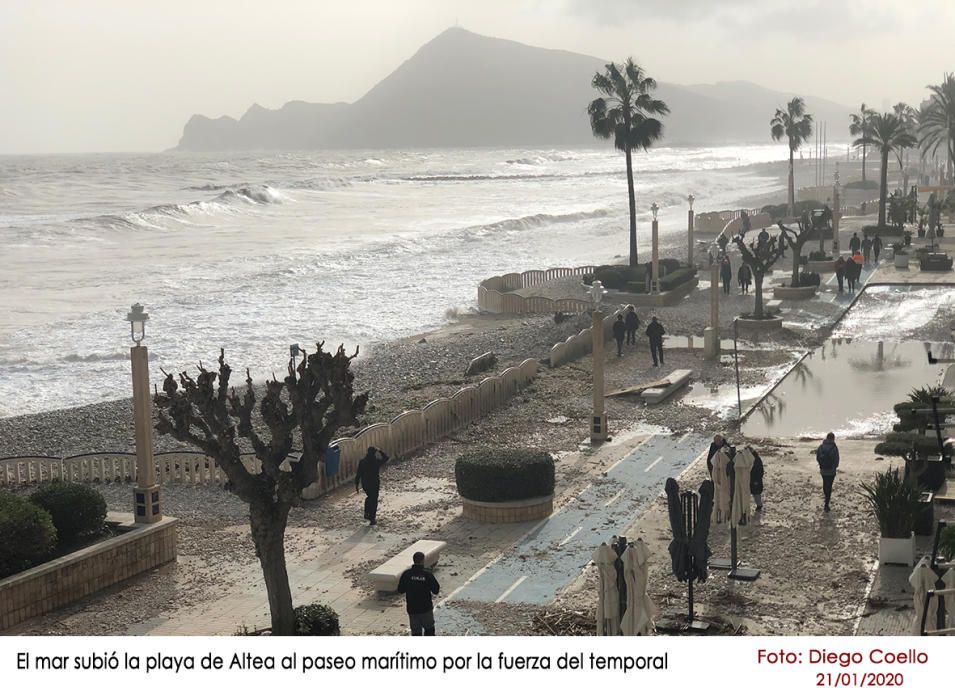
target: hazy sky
106 75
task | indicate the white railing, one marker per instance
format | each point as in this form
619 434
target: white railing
406 433
495 294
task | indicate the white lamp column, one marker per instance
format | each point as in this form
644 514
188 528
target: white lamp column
689 233
655 252
711 334
146 503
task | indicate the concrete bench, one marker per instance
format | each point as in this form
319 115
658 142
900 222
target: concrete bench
385 577
678 379
773 307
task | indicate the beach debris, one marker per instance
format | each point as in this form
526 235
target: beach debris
565 623
481 363
423 340
638 389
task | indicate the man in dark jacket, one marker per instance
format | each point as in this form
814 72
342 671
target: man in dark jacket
715 447
756 479
840 271
655 333
368 477
418 584
876 249
827 456
855 245
632 322
866 248
619 331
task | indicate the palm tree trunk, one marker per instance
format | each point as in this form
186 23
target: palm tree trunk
633 210
863 159
792 186
269 521
883 187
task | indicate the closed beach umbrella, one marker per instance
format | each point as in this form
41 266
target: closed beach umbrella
699 547
608 596
638 619
722 497
922 580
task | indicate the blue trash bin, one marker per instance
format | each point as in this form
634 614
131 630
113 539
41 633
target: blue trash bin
333 459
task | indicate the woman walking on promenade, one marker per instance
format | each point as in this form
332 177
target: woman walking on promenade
726 274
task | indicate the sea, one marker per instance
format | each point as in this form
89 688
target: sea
252 252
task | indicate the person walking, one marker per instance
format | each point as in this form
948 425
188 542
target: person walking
876 249
632 322
840 271
854 244
745 277
851 275
756 479
619 332
866 249
368 477
827 457
655 333
715 447
418 584
726 274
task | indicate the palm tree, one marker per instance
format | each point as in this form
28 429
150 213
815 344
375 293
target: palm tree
937 123
623 114
796 125
909 118
887 133
859 126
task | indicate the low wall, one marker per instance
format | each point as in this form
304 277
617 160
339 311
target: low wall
581 344
508 511
495 294
64 580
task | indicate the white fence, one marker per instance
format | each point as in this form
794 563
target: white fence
406 433
495 294
581 344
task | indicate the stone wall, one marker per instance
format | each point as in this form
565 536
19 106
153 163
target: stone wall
508 511
64 580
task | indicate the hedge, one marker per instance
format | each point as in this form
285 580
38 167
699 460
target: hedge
886 230
779 211
77 509
817 256
676 278
27 534
617 276
808 279
316 620
496 475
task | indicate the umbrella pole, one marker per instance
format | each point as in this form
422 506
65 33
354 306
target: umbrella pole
686 499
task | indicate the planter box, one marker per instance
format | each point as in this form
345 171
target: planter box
753 325
794 293
897 551
935 263
508 511
901 261
820 266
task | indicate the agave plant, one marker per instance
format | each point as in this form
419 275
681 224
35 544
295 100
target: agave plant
894 503
946 543
925 394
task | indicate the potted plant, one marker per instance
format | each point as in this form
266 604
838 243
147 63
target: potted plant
900 256
895 505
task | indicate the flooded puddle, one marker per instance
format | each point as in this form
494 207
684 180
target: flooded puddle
847 386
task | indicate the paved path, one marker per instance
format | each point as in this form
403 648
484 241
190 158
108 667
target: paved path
551 556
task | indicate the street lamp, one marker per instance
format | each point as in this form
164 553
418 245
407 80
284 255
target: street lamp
690 199
689 232
146 504
137 323
654 209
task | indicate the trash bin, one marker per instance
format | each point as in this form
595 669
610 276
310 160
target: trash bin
333 458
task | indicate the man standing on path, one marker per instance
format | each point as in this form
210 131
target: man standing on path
840 271
827 456
655 333
726 274
369 477
418 584
866 249
876 249
854 244
619 331
632 322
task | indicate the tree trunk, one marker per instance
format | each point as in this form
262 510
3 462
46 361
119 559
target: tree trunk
633 211
792 186
863 158
758 309
796 251
268 532
883 187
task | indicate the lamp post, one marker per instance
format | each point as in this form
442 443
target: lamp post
655 251
689 232
836 213
711 334
146 504
598 425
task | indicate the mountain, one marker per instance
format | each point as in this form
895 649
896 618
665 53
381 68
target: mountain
463 89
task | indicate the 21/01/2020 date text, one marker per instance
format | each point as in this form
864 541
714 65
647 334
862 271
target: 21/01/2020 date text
859 680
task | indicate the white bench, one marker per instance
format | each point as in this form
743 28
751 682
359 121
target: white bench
773 307
678 379
385 577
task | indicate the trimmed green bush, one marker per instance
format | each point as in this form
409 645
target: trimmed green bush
27 534
873 229
676 278
779 211
497 475
316 620
636 287
77 509
808 279
946 542
617 276
818 256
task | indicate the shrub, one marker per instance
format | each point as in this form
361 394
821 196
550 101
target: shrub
780 211
874 229
862 185
676 278
819 256
77 509
636 287
27 534
316 620
894 503
946 542
496 475
808 279
617 276
588 278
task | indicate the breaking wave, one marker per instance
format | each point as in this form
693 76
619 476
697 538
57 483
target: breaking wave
532 221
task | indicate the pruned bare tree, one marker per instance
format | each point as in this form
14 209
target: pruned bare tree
760 259
302 411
